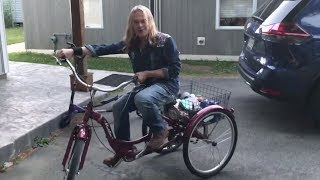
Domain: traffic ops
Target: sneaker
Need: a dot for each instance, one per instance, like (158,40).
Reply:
(116,159)
(112,161)
(158,139)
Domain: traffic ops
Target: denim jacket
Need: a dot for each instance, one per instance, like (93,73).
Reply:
(163,54)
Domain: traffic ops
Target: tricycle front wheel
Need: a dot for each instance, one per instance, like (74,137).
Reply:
(75,158)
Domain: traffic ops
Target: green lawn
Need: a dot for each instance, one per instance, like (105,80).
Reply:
(189,67)
(14,35)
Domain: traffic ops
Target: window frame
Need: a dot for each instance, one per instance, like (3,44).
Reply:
(101,18)
(217,24)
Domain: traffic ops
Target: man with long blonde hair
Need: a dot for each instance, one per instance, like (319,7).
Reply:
(155,61)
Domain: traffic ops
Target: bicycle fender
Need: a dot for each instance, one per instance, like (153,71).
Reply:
(203,112)
(79,132)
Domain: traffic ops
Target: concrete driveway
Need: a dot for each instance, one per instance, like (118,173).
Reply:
(276,141)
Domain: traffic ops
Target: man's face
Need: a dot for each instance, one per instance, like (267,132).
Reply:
(140,24)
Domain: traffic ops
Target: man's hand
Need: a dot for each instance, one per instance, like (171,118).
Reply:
(144,75)
(141,76)
(64,53)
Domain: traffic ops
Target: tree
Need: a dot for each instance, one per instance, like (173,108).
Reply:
(8,15)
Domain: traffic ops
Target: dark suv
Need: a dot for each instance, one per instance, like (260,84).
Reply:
(281,52)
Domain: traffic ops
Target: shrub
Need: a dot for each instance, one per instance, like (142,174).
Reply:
(8,15)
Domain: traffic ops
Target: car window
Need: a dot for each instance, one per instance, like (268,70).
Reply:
(310,18)
(267,8)
(270,6)
(281,12)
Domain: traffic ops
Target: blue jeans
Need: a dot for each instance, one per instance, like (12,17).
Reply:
(148,101)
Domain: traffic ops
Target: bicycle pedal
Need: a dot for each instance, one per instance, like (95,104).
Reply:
(131,157)
(161,147)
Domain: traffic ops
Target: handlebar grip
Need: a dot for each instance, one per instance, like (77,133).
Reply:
(135,81)
(71,45)
(59,61)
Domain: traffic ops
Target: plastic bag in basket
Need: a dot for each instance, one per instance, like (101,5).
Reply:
(190,104)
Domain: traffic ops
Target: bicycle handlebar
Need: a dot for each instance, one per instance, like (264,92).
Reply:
(94,87)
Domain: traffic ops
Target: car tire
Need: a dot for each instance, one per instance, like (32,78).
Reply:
(315,105)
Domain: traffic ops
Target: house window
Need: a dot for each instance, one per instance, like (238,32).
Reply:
(93,14)
(232,14)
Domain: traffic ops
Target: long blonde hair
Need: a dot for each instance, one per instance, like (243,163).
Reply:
(130,34)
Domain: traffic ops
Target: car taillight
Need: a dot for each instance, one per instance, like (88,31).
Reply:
(290,32)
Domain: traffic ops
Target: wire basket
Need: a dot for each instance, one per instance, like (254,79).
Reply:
(202,95)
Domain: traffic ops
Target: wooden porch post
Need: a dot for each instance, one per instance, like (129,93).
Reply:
(77,18)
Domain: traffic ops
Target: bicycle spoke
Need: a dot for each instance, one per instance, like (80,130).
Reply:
(215,158)
(224,140)
(208,141)
(228,131)
(196,148)
(213,129)
(218,154)
(212,153)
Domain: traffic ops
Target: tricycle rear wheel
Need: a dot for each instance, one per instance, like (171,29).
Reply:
(211,144)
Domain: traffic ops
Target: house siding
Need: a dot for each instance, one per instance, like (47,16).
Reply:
(197,19)
(185,20)
(115,19)
(191,19)
(42,19)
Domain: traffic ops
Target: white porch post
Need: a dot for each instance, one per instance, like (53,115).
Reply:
(4,65)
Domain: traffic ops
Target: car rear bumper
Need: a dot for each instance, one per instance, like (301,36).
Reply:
(262,82)
(274,83)
(249,76)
